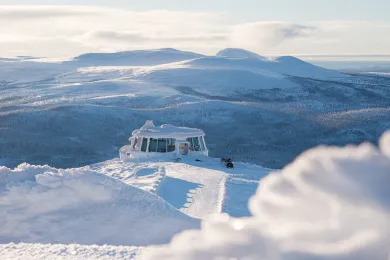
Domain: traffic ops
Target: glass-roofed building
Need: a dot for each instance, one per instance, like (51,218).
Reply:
(165,140)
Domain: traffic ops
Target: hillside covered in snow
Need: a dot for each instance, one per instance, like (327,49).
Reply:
(79,112)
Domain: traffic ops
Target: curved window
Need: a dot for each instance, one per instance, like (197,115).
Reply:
(162,145)
(171,144)
(191,147)
(153,145)
(144,144)
(196,144)
(201,143)
(134,142)
(204,143)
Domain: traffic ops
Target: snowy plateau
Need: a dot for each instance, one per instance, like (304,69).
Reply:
(64,194)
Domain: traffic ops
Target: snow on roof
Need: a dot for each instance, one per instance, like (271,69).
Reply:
(166,131)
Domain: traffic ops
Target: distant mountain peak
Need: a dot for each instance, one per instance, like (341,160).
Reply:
(239,53)
(289,59)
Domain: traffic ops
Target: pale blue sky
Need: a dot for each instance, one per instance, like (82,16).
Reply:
(252,10)
(355,29)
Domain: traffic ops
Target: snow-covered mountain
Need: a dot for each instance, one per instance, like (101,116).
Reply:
(87,108)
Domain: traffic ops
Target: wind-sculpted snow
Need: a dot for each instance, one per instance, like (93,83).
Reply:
(331,203)
(48,205)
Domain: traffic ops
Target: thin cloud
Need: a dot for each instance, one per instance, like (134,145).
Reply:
(140,37)
(66,31)
(267,35)
(41,12)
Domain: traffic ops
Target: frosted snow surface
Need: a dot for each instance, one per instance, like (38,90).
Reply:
(47,205)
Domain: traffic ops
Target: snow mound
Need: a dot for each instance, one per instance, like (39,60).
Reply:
(48,205)
(331,203)
(147,178)
(135,58)
(239,53)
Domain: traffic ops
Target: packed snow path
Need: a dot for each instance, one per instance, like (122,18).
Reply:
(197,188)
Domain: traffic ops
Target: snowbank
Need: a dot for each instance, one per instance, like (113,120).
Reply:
(48,205)
(331,203)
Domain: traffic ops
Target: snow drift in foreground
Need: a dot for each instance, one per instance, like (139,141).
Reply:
(40,204)
(331,203)
(24,251)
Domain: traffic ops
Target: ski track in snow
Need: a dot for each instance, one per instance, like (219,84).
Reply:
(197,189)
